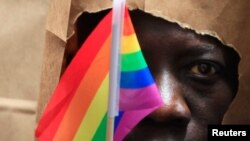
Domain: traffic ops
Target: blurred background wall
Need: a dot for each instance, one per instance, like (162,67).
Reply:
(22,24)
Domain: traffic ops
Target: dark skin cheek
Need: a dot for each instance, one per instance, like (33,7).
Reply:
(207,108)
(213,104)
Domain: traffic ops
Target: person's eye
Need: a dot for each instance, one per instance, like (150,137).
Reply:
(203,69)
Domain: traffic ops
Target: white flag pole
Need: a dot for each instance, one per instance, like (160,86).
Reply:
(114,73)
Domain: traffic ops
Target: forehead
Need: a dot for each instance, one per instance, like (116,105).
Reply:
(161,36)
(158,29)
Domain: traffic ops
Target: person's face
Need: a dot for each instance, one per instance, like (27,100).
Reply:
(194,75)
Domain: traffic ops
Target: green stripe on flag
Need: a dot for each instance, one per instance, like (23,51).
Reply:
(133,61)
(100,134)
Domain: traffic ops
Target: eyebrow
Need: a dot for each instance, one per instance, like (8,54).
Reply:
(198,50)
(203,48)
(207,51)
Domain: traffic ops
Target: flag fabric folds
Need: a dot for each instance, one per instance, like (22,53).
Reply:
(78,108)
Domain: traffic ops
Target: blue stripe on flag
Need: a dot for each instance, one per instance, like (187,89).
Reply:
(117,120)
(136,79)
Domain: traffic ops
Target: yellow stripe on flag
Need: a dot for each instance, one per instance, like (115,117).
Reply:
(130,44)
(95,113)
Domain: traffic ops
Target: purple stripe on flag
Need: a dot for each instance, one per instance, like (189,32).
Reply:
(129,120)
(138,99)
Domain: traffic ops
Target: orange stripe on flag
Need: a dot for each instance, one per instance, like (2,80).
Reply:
(84,95)
(127,23)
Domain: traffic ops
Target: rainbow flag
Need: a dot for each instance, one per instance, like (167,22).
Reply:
(78,108)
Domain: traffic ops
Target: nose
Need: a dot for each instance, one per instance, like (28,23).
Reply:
(175,109)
